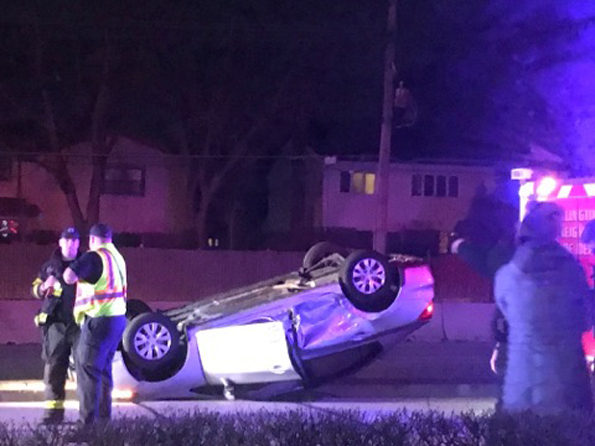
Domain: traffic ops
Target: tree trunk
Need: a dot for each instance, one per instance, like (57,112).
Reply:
(94,203)
(202,218)
(74,206)
(56,166)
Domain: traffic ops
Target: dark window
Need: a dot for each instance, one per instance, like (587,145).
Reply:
(441,186)
(453,186)
(428,185)
(416,189)
(124,180)
(5,168)
(345,181)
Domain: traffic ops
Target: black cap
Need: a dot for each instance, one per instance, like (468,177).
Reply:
(70,233)
(101,230)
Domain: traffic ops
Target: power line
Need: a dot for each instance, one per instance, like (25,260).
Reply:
(162,155)
(168,160)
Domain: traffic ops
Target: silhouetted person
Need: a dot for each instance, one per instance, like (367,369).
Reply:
(486,242)
(543,294)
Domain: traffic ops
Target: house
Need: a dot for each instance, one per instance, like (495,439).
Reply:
(421,195)
(335,198)
(140,191)
(309,198)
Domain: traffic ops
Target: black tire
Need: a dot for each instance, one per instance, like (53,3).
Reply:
(319,251)
(134,307)
(139,347)
(369,281)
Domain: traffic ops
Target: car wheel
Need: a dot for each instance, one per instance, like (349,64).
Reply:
(368,280)
(151,341)
(319,251)
(134,307)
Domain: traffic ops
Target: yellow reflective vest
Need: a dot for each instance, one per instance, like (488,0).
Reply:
(55,291)
(107,297)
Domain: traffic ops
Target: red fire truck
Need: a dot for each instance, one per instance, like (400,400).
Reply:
(577,198)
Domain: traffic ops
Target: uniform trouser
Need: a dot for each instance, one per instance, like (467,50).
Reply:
(97,345)
(59,340)
(501,362)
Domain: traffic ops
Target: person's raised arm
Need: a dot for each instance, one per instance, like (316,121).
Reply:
(69,276)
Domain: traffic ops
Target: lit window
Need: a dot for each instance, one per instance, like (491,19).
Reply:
(453,186)
(124,180)
(369,182)
(357,182)
(416,189)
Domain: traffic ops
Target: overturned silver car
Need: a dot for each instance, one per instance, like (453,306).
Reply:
(305,326)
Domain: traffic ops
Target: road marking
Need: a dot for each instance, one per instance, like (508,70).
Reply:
(68,404)
(31,385)
(37,386)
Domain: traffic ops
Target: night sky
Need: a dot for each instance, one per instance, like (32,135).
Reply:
(221,84)
(490,78)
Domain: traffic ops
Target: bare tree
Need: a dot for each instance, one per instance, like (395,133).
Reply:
(58,94)
(226,103)
(226,132)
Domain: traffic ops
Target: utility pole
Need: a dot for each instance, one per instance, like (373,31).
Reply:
(383,171)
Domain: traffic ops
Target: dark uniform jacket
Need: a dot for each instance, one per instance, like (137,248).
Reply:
(58,308)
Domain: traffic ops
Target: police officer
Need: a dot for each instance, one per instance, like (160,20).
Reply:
(100,308)
(59,331)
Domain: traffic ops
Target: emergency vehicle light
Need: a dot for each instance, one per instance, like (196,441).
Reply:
(527,189)
(546,186)
(565,191)
(521,173)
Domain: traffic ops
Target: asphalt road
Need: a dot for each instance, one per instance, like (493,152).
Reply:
(405,363)
(446,376)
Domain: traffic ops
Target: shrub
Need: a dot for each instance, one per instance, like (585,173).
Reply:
(318,427)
